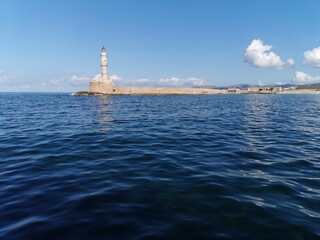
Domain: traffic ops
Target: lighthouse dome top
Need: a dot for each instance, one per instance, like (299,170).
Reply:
(103,49)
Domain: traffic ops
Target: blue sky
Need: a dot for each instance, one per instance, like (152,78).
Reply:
(55,45)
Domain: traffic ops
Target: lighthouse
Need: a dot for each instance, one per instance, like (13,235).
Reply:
(102,83)
(104,78)
(104,65)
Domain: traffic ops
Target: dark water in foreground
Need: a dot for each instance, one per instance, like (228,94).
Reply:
(159,167)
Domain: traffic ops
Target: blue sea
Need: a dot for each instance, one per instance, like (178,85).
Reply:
(159,167)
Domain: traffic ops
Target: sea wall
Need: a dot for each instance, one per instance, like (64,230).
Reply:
(301,91)
(141,91)
(107,88)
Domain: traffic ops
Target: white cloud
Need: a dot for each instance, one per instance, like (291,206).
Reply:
(6,79)
(290,62)
(62,82)
(179,82)
(145,82)
(43,83)
(304,78)
(25,87)
(79,80)
(312,57)
(260,83)
(164,82)
(115,77)
(259,55)
(74,83)
(55,82)
(278,83)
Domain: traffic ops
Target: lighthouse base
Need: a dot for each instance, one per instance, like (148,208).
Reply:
(102,87)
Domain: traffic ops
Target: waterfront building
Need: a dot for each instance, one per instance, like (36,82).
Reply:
(234,90)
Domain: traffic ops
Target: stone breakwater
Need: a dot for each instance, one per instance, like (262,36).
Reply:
(152,91)
(104,88)
(100,88)
(301,91)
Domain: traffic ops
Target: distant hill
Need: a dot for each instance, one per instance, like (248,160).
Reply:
(309,86)
(246,86)
(288,85)
(206,86)
(241,86)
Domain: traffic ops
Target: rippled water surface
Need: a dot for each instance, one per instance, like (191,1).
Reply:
(159,167)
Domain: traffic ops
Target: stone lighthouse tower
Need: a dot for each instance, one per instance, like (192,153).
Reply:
(103,84)
(104,65)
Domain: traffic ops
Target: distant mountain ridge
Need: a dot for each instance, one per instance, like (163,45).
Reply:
(309,86)
(246,86)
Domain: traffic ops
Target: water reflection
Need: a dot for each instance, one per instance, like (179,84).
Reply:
(258,123)
(258,110)
(104,112)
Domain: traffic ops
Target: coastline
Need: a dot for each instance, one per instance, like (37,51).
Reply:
(181,91)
